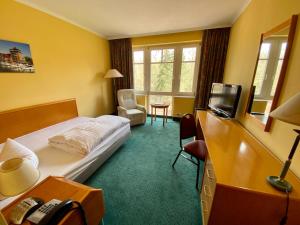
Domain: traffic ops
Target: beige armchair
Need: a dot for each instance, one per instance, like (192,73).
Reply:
(129,108)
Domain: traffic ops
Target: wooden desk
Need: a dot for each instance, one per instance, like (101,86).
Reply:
(165,112)
(61,188)
(235,190)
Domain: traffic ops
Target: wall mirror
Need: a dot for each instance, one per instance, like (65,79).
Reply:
(271,65)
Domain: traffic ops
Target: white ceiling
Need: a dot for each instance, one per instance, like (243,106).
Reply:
(128,18)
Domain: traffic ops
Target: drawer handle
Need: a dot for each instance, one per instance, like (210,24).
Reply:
(206,191)
(204,206)
(208,174)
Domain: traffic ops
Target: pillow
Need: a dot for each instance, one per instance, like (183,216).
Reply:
(13,149)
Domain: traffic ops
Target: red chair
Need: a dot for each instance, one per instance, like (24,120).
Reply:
(196,149)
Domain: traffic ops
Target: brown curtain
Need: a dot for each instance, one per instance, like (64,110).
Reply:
(213,55)
(121,59)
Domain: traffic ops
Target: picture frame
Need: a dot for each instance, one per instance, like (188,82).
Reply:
(15,57)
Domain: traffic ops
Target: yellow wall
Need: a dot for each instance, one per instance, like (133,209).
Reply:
(260,16)
(69,61)
(183,105)
(141,100)
(259,106)
(192,36)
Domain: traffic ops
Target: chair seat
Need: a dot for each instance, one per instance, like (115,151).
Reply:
(196,148)
(134,112)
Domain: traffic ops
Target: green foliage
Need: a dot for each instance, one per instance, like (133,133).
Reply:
(28,60)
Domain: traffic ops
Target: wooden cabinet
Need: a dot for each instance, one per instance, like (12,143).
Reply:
(235,190)
(60,188)
(208,190)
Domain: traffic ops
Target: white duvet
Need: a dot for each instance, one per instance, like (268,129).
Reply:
(83,138)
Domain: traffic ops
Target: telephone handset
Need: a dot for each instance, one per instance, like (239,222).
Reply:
(51,212)
(24,209)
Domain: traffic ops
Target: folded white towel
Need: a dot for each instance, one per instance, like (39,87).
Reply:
(85,137)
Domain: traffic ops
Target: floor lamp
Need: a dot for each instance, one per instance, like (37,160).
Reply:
(288,112)
(113,74)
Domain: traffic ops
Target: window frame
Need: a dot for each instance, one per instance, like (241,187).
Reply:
(177,63)
(272,62)
(133,50)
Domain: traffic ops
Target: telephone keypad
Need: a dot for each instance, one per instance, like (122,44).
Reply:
(43,211)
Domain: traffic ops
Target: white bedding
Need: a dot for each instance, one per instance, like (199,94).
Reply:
(55,162)
(83,138)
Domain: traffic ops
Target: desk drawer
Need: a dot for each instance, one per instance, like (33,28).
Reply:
(208,191)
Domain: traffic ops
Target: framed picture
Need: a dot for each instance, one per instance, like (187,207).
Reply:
(15,57)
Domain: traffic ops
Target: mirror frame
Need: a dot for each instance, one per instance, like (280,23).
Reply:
(292,23)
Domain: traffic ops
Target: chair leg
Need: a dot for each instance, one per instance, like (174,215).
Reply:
(176,158)
(198,168)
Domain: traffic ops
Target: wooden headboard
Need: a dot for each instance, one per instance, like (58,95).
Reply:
(17,122)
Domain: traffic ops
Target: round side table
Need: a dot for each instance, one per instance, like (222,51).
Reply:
(165,112)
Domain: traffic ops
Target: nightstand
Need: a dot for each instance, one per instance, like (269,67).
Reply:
(91,199)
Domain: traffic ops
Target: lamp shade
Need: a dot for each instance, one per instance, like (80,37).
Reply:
(113,73)
(16,176)
(289,111)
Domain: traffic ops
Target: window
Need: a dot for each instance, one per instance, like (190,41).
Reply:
(278,68)
(161,72)
(161,68)
(138,70)
(261,67)
(271,56)
(187,74)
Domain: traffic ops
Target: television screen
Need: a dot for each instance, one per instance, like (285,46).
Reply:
(224,99)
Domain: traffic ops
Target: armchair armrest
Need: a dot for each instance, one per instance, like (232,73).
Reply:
(122,111)
(141,107)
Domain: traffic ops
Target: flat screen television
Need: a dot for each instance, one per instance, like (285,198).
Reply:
(224,99)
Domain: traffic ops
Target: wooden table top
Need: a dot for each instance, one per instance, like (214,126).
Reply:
(239,159)
(160,105)
(61,188)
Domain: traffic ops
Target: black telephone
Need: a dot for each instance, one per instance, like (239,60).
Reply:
(51,212)
(38,213)
(24,209)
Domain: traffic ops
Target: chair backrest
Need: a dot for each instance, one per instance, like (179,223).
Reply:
(127,98)
(187,127)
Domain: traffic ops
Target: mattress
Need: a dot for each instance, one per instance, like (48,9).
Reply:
(56,162)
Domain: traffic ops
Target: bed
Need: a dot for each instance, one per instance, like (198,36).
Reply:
(32,126)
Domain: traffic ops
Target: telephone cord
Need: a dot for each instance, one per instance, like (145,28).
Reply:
(81,210)
(285,217)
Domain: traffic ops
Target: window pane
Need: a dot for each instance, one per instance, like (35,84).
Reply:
(260,75)
(158,99)
(161,77)
(282,50)
(187,77)
(138,71)
(264,51)
(156,55)
(138,56)
(277,73)
(168,55)
(189,54)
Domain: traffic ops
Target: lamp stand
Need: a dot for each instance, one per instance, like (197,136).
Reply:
(278,181)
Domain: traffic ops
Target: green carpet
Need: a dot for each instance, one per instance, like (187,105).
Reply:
(140,186)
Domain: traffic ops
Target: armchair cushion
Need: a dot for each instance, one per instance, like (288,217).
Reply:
(134,111)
